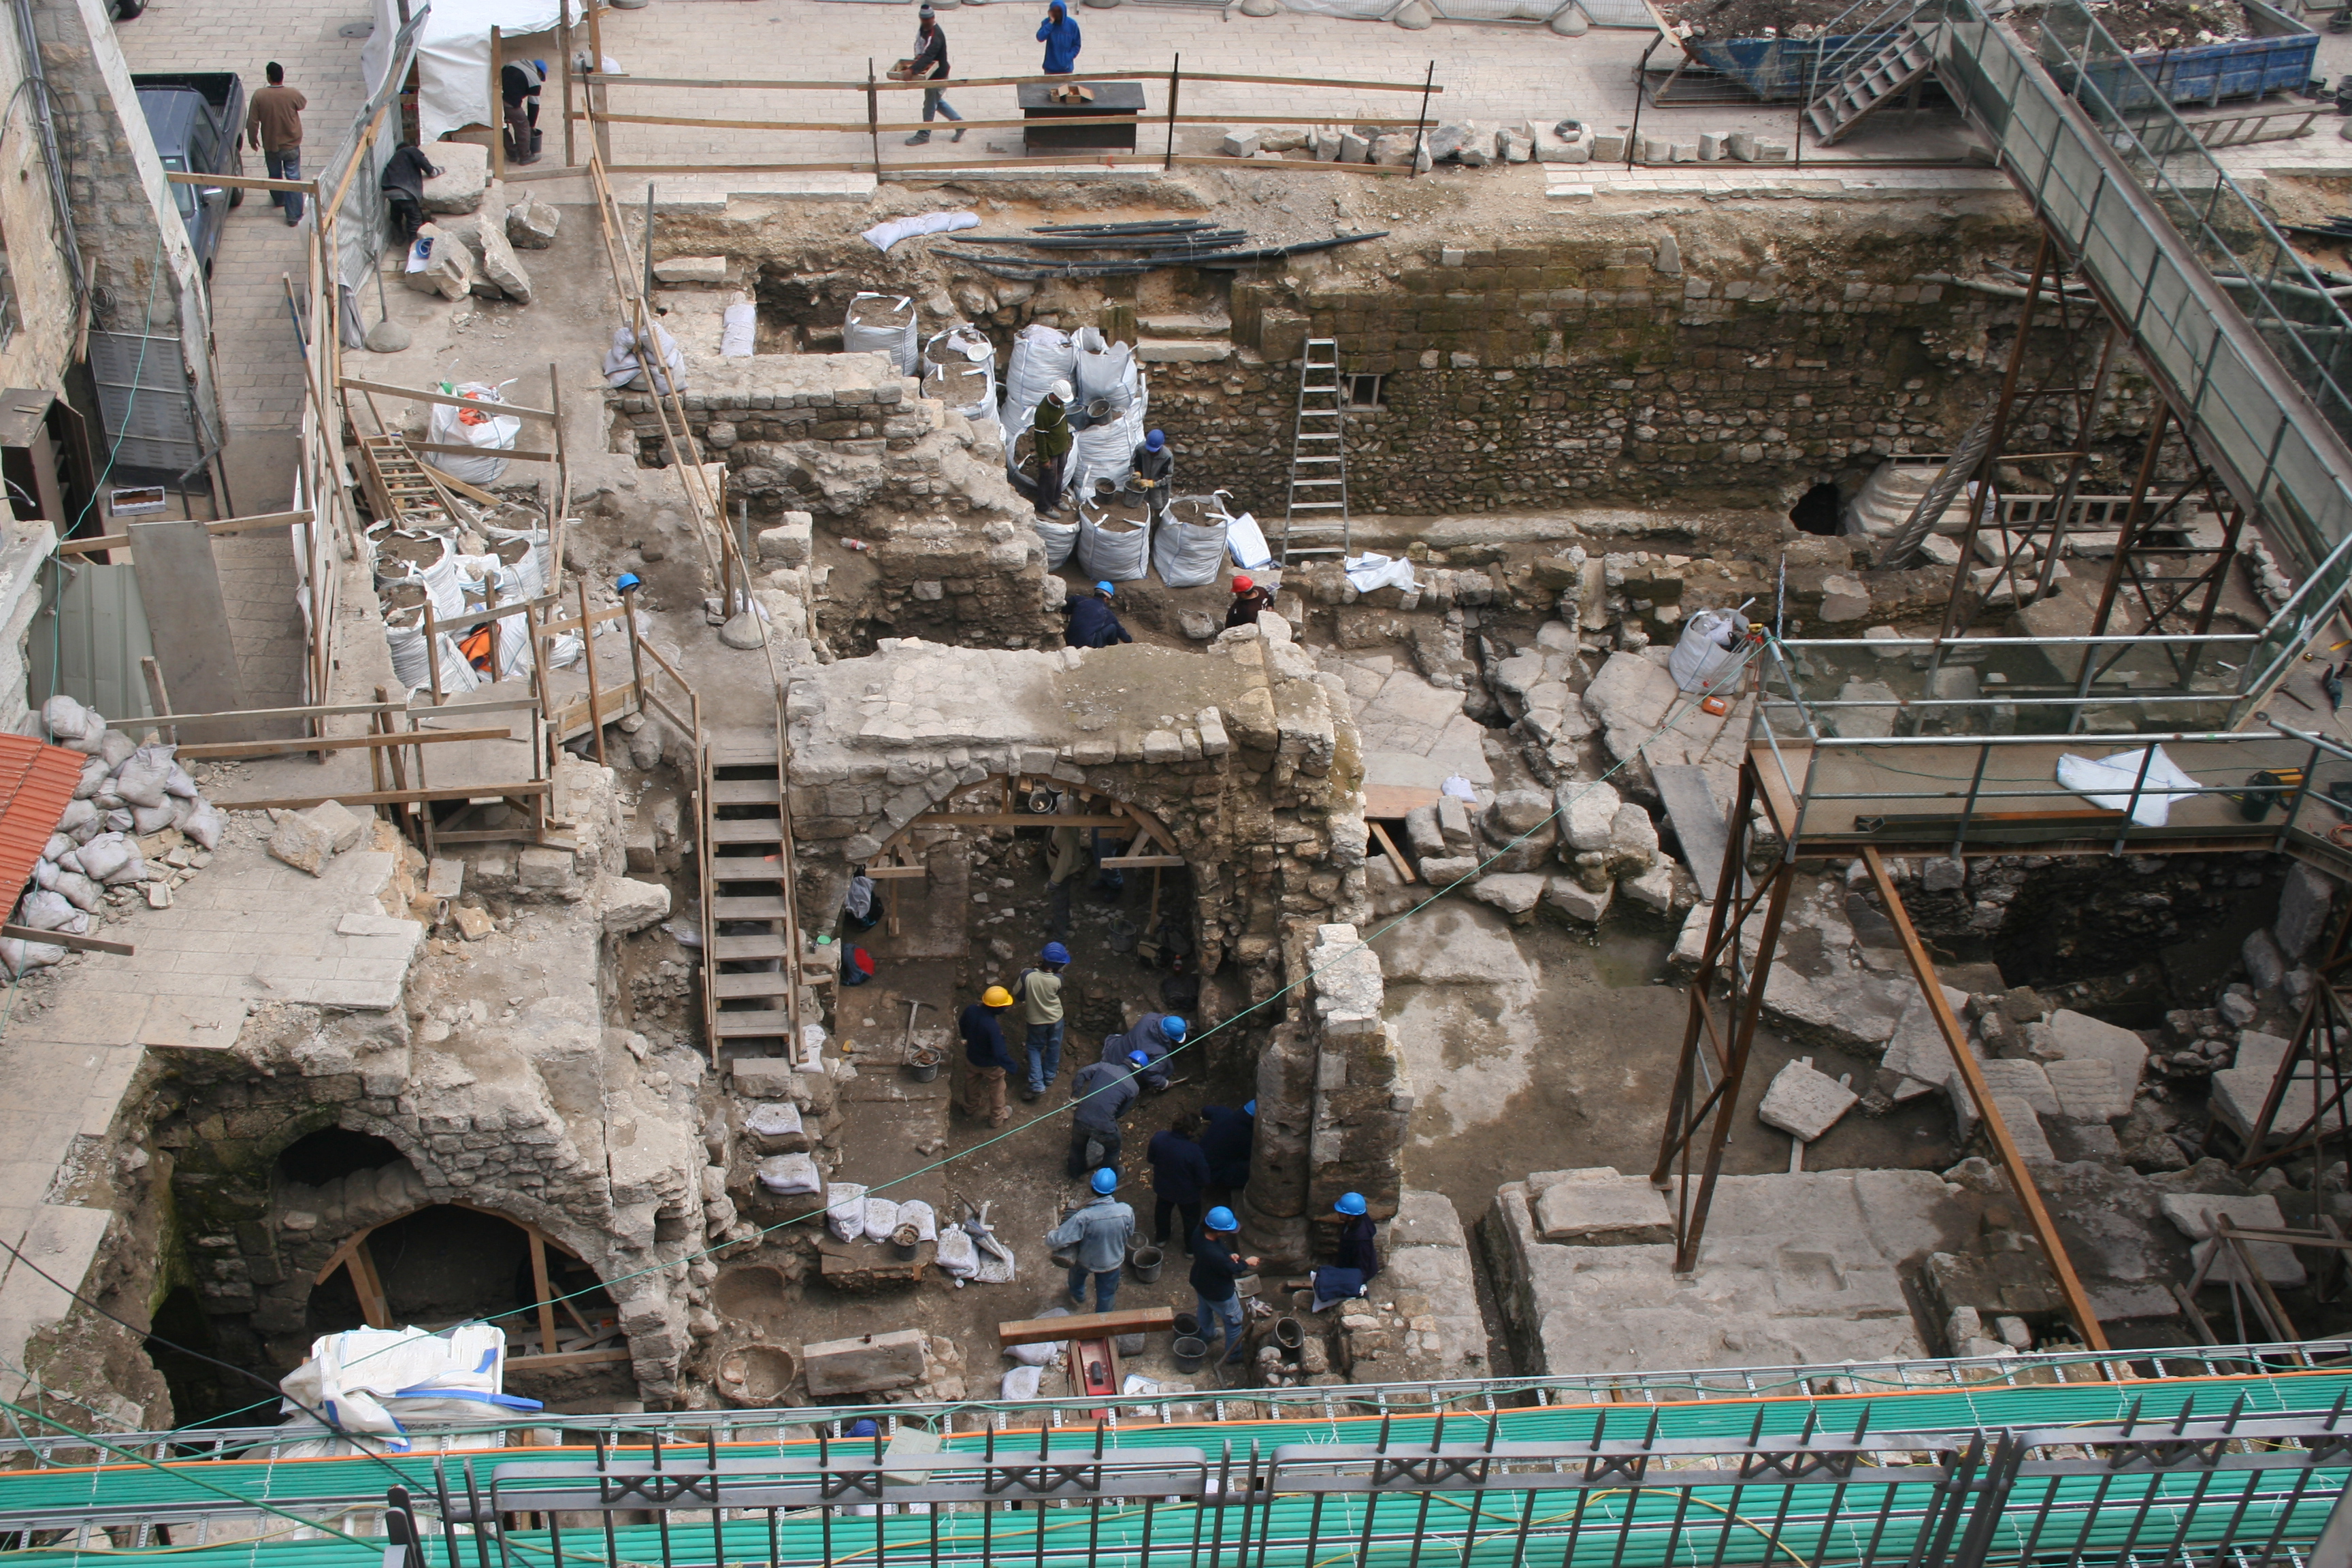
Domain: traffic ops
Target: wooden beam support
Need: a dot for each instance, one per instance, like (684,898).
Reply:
(242,182)
(95,542)
(568,1358)
(419,395)
(886,873)
(1085,1326)
(456,450)
(545,1292)
(1127,862)
(68,939)
(342,743)
(1388,848)
(1016,818)
(526,790)
(1956,1040)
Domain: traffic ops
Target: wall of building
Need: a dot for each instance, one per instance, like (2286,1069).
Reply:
(42,340)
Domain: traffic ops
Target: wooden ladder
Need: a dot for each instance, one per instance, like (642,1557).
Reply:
(747,935)
(399,483)
(1892,67)
(1319,458)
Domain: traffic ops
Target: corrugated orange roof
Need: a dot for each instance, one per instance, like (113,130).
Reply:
(37,785)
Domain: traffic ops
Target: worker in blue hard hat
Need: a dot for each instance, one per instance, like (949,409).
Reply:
(1359,1255)
(1099,1233)
(1227,1138)
(1155,474)
(1217,1263)
(1154,1036)
(1092,622)
(1100,1093)
(1038,990)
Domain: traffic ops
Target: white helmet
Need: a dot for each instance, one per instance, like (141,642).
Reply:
(1062,390)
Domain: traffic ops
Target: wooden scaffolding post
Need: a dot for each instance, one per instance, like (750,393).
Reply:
(497,112)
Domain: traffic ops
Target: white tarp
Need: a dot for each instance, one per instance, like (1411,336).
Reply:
(365,1380)
(2106,783)
(453,58)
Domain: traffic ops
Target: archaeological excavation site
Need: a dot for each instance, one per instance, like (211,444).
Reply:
(1455,778)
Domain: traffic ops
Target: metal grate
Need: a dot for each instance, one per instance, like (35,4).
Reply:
(146,402)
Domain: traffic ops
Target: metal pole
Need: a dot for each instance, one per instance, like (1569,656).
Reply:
(1420,131)
(649,347)
(2124,536)
(873,116)
(1175,83)
(498,113)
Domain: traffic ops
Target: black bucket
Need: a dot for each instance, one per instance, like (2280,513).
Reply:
(1190,1352)
(1186,1324)
(1147,1262)
(1288,1336)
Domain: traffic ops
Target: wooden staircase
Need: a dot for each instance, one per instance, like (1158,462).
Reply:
(1885,74)
(749,931)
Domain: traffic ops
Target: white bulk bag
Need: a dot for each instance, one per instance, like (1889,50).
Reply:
(1708,649)
(1059,540)
(1041,356)
(1188,544)
(491,433)
(787,1175)
(1113,548)
(881,324)
(1102,370)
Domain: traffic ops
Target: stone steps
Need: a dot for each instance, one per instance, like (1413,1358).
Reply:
(1182,350)
(1181,326)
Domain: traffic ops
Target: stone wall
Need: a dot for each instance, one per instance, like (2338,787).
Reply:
(1702,356)
(845,439)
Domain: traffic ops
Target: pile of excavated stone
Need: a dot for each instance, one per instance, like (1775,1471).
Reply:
(1573,849)
(470,241)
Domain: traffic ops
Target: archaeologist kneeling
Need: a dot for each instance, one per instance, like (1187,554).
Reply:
(1248,600)
(1145,1047)
(1093,624)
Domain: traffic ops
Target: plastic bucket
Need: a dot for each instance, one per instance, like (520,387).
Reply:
(1288,1336)
(1190,1352)
(1145,1263)
(1186,1323)
(923,1066)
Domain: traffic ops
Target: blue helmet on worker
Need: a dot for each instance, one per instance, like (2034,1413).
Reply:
(1221,1219)
(1351,1204)
(1055,953)
(1171,1030)
(1106,1181)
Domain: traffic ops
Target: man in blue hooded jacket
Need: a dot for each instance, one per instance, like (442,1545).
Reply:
(1059,33)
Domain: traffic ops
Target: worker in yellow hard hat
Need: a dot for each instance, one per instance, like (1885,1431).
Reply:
(986,1057)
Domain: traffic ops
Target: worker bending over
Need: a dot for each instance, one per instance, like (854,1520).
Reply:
(1100,1093)
(1153,1036)
(1248,600)
(1093,623)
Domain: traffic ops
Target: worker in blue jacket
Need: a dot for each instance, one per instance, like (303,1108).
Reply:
(1059,33)
(1093,623)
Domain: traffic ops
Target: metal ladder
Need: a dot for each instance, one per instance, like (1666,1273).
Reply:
(1898,63)
(1319,458)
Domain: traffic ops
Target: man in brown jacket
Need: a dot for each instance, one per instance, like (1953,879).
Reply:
(274,127)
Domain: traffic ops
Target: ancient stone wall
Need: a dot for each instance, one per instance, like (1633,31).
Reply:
(845,439)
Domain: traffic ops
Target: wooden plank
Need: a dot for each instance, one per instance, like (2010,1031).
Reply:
(1394,803)
(66,938)
(539,1285)
(457,450)
(419,395)
(1388,848)
(256,524)
(1955,1040)
(1124,862)
(1700,822)
(567,1358)
(242,182)
(888,873)
(1018,819)
(1085,1326)
(449,482)
(341,743)
(524,791)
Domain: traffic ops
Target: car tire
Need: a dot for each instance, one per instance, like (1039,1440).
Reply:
(128,10)
(237,167)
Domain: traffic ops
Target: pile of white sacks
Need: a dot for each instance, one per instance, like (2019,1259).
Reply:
(462,567)
(128,792)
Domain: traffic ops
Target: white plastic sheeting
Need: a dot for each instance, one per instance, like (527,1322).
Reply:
(739,330)
(365,1380)
(1113,548)
(1188,544)
(453,58)
(1708,650)
(890,231)
(490,433)
(1245,541)
(404,631)
(881,324)
(1366,573)
(2106,783)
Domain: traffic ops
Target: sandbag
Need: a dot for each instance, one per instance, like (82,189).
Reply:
(21,958)
(105,856)
(115,748)
(204,825)
(80,821)
(959,370)
(75,888)
(959,1256)
(845,1209)
(490,434)
(1021,1383)
(883,324)
(44,911)
(624,369)
(922,1217)
(64,718)
(426,559)
(738,329)
(1112,549)
(94,775)
(881,1218)
(1188,544)
(147,819)
(178,783)
(789,1175)
(59,844)
(139,782)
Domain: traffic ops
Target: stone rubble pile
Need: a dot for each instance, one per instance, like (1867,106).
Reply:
(467,247)
(137,827)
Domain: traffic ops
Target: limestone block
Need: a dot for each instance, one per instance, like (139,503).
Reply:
(631,905)
(1804,1103)
(776,1128)
(1214,740)
(1608,149)
(2074,1036)
(1422,833)
(1771,152)
(1654,888)
(789,542)
(2088,1090)
(1589,812)
(1844,597)
(1513,146)
(2265,965)
(764,1077)
(869,1363)
(345,827)
(1161,746)
(1632,840)
(2011,1078)
(2192,1215)
(1577,901)
(500,269)
(543,869)
(1450,139)
(1710,147)
(1740,145)
(1599,1209)
(465,176)
(1394,149)
(2303,910)
(473,924)
(1454,821)
(443,879)
(1239,144)
(450,270)
(1442,871)
(691,269)
(1354,148)
(1513,893)
(302,843)
(531,224)
(1514,812)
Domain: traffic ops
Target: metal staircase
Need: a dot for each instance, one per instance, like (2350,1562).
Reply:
(1319,460)
(1907,55)
(747,913)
